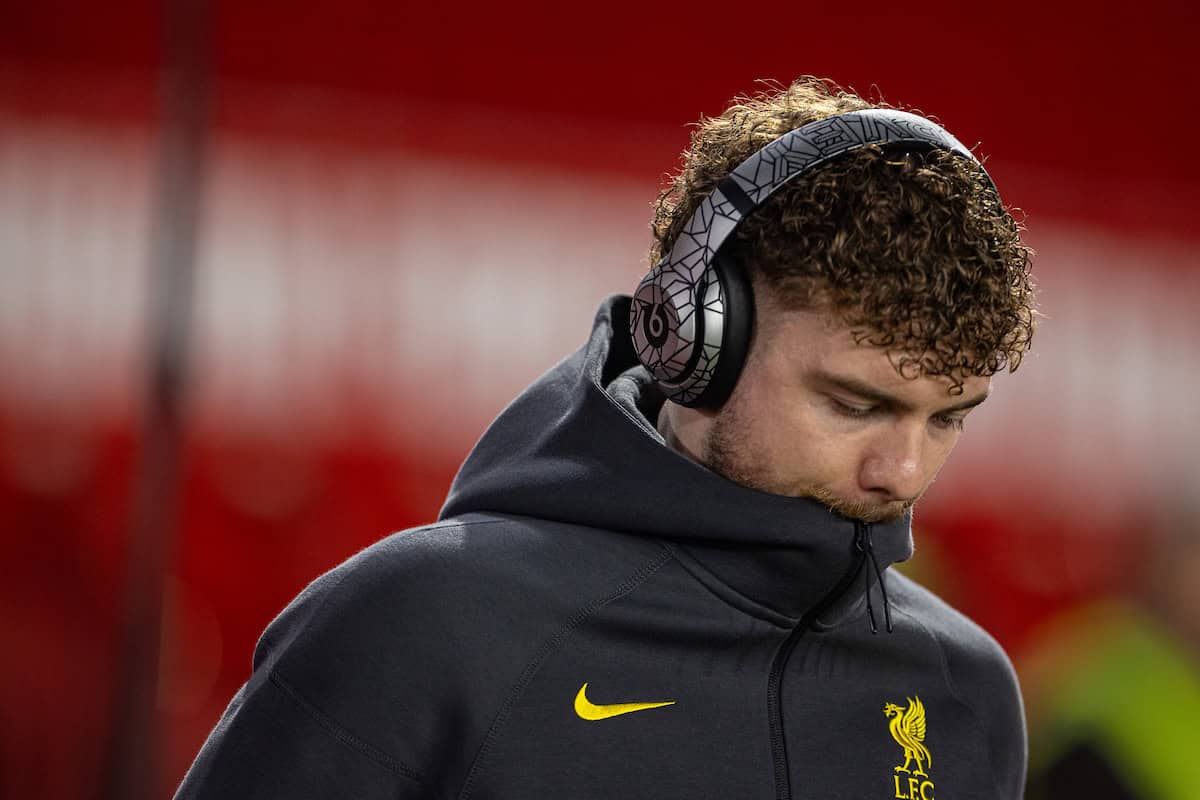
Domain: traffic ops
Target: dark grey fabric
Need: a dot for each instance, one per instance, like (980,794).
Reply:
(575,547)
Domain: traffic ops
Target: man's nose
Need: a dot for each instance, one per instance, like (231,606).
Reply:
(893,467)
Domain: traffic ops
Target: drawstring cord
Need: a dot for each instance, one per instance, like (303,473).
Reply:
(865,545)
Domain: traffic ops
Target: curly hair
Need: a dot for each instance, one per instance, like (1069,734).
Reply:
(914,251)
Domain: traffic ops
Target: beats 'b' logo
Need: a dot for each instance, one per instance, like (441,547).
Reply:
(655,330)
(656,324)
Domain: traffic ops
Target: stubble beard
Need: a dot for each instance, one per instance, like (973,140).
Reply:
(723,451)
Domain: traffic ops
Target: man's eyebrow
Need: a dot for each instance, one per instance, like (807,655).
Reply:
(966,404)
(868,392)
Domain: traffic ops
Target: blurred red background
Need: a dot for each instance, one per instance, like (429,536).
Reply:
(408,211)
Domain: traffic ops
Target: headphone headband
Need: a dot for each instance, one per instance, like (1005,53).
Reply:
(679,318)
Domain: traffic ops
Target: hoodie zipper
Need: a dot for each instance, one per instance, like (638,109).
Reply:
(862,543)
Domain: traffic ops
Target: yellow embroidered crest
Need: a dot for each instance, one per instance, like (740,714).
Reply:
(908,729)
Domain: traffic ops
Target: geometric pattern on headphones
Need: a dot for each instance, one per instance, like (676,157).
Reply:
(815,143)
(667,325)
(679,310)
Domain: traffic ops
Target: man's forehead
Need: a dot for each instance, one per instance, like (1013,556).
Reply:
(823,342)
(817,333)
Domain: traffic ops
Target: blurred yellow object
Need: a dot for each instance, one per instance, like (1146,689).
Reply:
(1117,685)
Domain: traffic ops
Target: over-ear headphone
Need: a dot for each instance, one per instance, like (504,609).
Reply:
(692,314)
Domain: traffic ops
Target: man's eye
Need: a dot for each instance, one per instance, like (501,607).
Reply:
(847,410)
(948,422)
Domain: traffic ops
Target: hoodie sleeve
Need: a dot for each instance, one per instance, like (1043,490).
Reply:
(271,744)
(984,678)
(384,677)
(275,741)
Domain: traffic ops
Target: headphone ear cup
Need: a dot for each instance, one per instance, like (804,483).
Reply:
(736,330)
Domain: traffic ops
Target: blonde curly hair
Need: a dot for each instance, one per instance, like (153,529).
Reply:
(915,251)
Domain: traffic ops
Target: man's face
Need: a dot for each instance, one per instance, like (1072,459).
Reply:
(816,415)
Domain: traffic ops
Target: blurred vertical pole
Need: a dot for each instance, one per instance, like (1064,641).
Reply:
(133,765)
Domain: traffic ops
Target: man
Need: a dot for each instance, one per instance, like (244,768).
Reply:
(634,596)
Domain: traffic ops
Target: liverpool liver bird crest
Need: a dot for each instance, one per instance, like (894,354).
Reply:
(908,729)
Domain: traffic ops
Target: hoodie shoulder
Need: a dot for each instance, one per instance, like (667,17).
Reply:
(414,645)
(978,672)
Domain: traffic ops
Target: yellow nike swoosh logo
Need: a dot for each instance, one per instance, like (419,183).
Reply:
(586,709)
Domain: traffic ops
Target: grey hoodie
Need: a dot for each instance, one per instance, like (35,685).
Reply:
(596,616)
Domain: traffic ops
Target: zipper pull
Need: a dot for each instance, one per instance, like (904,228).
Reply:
(861,544)
(862,541)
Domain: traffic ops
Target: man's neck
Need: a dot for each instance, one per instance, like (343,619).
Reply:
(666,428)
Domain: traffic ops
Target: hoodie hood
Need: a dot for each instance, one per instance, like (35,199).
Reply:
(579,447)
